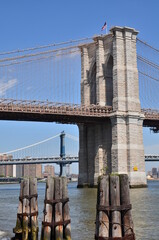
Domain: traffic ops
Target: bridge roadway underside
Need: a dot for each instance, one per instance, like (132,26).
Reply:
(152,123)
(51,117)
(65,118)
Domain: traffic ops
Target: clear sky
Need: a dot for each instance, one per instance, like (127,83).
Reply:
(28,23)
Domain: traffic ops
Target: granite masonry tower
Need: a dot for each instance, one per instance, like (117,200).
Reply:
(110,78)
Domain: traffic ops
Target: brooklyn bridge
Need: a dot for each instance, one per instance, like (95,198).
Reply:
(108,85)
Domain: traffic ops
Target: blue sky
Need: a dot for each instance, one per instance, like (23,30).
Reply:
(28,23)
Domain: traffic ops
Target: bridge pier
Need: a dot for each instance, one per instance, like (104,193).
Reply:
(127,152)
(94,152)
(110,77)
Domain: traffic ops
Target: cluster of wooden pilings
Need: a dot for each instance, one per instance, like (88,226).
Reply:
(27,221)
(56,220)
(113,218)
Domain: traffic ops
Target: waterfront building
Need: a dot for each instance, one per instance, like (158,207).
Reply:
(19,171)
(49,170)
(29,170)
(32,170)
(7,170)
(2,171)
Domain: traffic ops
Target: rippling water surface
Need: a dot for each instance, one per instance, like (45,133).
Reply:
(82,205)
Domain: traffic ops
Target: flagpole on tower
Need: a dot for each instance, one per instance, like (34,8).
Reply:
(104,27)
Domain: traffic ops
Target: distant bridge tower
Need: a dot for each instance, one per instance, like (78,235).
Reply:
(110,77)
(62,154)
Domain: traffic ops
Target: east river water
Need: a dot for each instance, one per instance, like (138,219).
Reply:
(82,206)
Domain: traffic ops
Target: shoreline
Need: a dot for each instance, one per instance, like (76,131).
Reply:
(152,179)
(10,180)
(17,181)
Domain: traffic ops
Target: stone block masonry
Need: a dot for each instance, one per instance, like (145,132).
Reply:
(110,78)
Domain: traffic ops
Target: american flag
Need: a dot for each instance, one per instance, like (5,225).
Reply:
(104,26)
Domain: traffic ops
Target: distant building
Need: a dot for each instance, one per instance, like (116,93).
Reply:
(49,170)
(32,170)
(154,172)
(19,171)
(7,170)
(2,171)
(68,170)
(28,170)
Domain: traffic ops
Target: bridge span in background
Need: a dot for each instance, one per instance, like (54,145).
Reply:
(58,160)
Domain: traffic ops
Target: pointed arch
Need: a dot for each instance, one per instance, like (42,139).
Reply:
(93,84)
(108,75)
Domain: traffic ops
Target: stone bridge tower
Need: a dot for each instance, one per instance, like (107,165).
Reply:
(110,77)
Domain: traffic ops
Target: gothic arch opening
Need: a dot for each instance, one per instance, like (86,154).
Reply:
(109,81)
(93,85)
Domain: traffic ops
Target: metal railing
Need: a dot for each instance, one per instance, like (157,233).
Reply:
(45,107)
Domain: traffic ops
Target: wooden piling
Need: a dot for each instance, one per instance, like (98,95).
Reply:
(33,208)
(115,201)
(58,209)
(66,214)
(44,211)
(102,217)
(48,207)
(27,222)
(18,228)
(125,201)
(26,210)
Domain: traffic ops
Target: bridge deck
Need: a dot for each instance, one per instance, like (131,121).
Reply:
(44,111)
(49,112)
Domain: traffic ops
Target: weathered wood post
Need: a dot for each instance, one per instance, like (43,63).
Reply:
(18,228)
(125,201)
(58,209)
(26,210)
(33,208)
(115,201)
(44,211)
(48,207)
(66,210)
(102,218)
